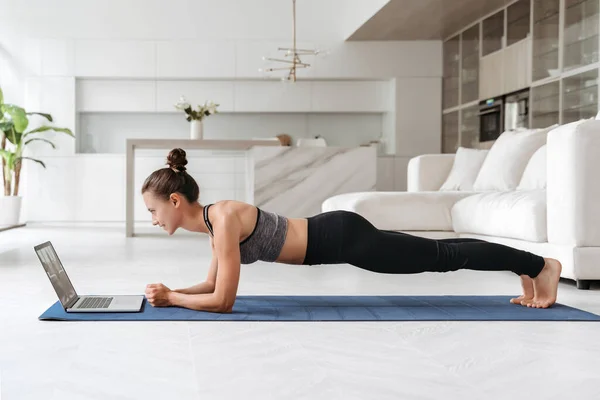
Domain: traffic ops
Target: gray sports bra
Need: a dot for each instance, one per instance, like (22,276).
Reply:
(266,240)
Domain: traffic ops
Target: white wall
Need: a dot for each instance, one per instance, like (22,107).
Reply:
(47,52)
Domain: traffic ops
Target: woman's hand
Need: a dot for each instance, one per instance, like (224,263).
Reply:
(158,295)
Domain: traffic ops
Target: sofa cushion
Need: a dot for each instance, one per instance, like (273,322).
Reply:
(504,165)
(515,214)
(534,176)
(467,164)
(400,211)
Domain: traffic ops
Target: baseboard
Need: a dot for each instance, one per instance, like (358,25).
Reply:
(8,227)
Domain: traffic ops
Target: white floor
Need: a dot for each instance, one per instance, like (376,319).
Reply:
(270,360)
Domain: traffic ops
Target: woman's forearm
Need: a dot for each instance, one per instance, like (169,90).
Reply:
(199,302)
(204,287)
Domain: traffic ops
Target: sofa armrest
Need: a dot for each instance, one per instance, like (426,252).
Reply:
(573,184)
(428,172)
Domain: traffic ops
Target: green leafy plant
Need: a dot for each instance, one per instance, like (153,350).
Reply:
(14,136)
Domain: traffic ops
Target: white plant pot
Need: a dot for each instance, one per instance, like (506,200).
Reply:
(10,210)
(196,129)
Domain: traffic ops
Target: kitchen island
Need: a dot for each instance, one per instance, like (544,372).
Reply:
(292,181)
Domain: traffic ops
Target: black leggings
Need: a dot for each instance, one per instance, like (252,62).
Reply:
(339,237)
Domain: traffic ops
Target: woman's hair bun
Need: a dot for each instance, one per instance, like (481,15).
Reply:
(177,160)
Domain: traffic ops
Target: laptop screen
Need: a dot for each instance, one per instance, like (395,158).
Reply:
(55,271)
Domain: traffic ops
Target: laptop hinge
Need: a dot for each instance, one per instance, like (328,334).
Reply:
(73,302)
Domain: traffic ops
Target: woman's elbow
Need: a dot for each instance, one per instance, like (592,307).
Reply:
(226,306)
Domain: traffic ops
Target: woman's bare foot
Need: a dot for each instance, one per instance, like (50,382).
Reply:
(527,285)
(545,285)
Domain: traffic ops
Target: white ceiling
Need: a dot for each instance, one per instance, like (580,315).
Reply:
(319,21)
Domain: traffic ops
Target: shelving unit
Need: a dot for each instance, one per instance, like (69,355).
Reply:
(564,58)
(451,79)
(580,96)
(546,31)
(518,16)
(580,33)
(450,132)
(470,64)
(545,105)
(492,33)
(469,127)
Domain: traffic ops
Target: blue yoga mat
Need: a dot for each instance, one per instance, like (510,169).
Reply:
(346,308)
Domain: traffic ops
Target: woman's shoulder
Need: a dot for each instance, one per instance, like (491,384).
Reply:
(230,205)
(231,210)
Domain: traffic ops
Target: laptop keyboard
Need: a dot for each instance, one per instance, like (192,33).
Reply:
(96,302)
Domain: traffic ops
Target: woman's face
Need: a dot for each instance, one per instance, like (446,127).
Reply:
(166,214)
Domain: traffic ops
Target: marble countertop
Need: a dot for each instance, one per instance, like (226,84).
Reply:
(199,143)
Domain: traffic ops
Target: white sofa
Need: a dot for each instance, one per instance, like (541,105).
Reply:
(560,220)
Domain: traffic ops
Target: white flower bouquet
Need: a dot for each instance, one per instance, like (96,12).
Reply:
(203,111)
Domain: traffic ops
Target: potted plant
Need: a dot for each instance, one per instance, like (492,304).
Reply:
(14,137)
(196,117)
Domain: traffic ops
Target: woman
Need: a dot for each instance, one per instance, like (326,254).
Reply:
(242,234)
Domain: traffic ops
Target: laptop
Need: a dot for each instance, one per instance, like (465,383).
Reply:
(69,298)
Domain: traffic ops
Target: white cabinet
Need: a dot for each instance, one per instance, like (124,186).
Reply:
(193,59)
(492,33)
(506,70)
(450,132)
(115,58)
(545,105)
(100,188)
(196,92)
(546,27)
(580,96)
(349,96)
(451,73)
(122,95)
(491,74)
(469,77)
(51,193)
(580,35)
(272,96)
(116,96)
(469,127)
(92,187)
(518,20)
(313,96)
(517,67)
